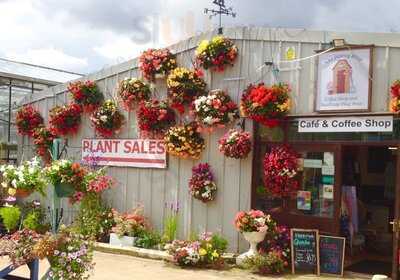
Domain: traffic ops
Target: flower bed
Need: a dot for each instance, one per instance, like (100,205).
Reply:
(155,118)
(27,119)
(86,94)
(184,86)
(65,119)
(156,61)
(184,141)
(235,144)
(132,91)
(266,105)
(201,184)
(216,110)
(216,54)
(107,120)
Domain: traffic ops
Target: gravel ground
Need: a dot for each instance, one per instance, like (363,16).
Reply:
(121,267)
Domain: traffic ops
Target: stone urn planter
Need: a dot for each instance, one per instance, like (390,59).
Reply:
(123,241)
(253,238)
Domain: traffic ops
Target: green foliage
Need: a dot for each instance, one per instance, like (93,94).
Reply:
(170,227)
(148,239)
(219,243)
(11,217)
(34,217)
(94,219)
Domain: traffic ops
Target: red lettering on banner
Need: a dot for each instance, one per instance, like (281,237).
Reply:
(142,148)
(116,142)
(161,147)
(99,147)
(107,146)
(152,147)
(127,147)
(86,145)
(135,148)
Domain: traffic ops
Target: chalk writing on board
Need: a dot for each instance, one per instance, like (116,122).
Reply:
(331,253)
(304,249)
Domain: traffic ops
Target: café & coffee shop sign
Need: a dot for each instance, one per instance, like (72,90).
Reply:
(144,153)
(346,124)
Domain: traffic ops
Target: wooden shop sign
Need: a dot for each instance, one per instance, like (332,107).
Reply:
(143,153)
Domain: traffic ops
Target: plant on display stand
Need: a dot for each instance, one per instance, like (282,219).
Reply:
(280,169)
(86,94)
(184,86)
(184,141)
(68,177)
(24,179)
(205,251)
(201,184)
(43,140)
(10,216)
(235,144)
(216,54)
(65,119)
(155,118)
(107,119)
(132,91)
(254,225)
(24,241)
(266,105)
(216,110)
(27,119)
(153,62)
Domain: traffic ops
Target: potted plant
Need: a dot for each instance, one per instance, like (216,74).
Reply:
(128,226)
(67,176)
(25,179)
(11,216)
(254,225)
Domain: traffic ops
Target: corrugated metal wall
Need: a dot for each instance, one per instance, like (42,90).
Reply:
(153,188)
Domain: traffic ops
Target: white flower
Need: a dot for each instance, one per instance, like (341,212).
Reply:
(103,118)
(14,183)
(208,120)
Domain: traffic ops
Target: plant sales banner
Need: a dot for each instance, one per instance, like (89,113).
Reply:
(144,153)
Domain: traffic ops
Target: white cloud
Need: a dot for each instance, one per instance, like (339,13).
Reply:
(49,57)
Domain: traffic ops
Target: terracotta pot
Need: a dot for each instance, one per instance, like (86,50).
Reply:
(21,193)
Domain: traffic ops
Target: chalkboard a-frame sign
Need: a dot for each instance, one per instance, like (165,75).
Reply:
(331,254)
(305,250)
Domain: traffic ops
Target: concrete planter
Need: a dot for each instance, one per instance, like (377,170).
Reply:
(115,240)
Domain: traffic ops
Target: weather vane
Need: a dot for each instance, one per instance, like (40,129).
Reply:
(223,10)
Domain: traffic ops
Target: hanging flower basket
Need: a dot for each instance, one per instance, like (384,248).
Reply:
(155,62)
(184,86)
(184,141)
(43,140)
(155,118)
(132,91)
(395,97)
(216,54)
(235,144)
(201,184)
(266,105)
(280,169)
(27,119)
(86,94)
(216,110)
(107,120)
(65,119)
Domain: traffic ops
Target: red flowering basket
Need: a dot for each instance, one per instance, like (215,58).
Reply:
(43,140)
(280,169)
(395,93)
(155,118)
(132,91)
(266,105)
(27,119)
(235,144)
(201,184)
(86,94)
(184,86)
(216,110)
(65,119)
(156,62)
(107,120)
(216,54)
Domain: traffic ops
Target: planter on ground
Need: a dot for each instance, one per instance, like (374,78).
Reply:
(115,240)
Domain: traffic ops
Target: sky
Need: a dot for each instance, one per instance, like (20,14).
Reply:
(87,35)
